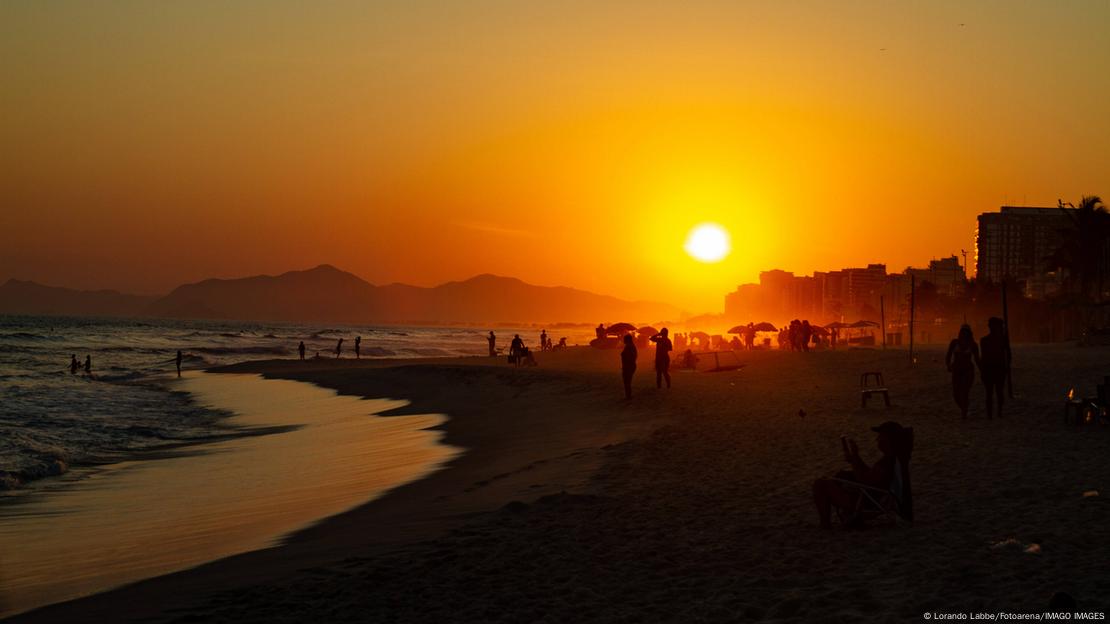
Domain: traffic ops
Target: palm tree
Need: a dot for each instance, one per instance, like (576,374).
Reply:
(1083,246)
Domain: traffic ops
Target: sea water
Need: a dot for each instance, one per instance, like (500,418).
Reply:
(52,421)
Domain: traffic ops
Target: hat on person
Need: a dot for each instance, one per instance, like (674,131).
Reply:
(888,427)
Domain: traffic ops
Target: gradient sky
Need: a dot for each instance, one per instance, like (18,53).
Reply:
(147,144)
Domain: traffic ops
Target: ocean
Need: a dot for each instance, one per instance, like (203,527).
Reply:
(52,421)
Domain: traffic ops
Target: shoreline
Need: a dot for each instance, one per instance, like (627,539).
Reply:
(689,504)
(465,486)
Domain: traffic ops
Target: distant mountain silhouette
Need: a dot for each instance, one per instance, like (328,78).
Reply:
(20,297)
(327,294)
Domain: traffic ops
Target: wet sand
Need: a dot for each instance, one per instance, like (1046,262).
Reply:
(311,454)
(571,504)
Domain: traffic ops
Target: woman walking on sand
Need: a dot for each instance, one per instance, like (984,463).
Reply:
(961,360)
(662,358)
(628,364)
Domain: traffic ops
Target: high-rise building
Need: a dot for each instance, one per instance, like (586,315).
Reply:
(946,274)
(1016,243)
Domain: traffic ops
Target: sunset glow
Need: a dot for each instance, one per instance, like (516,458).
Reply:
(708,242)
(433,143)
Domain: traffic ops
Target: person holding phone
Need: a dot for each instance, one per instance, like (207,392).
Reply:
(828,493)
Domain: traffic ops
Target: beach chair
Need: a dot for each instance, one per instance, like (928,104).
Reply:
(1078,408)
(894,503)
(866,389)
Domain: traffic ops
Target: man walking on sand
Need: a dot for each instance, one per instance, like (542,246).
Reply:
(338,348)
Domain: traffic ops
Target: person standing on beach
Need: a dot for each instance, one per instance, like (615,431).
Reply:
(73,365)
(994,362)
(628,364)
(961,360)
(88,365)
(492,340)
(179,358)
(543,340)
(300,349)
(663,349)
(338,348)
(516,349)
(358,347)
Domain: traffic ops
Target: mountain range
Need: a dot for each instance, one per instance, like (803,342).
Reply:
(325,293)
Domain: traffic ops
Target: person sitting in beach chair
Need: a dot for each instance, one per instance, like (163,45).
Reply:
(526,358)
(867,492)
(689,360)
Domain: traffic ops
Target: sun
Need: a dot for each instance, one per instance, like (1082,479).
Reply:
(708,242)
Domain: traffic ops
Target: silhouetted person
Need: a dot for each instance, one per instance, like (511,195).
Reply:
(828,493)
(749,336)
(600,330)
(994,362)
(628,364)
(338,348)
(806,332)
(663,349)
(689,360)
(961,360)
(358,347)
(88,365)
(73,365)
(300,349)
(543,340)
(179,357)
(492,339)
(516,349)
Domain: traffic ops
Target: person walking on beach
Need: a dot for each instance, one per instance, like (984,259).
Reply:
(961,360)
(807,333)
(492,340)
(663,349)
(88,365)
(994,362)
(628,364)
(73,365)
(516,350)
(358,347)
(179,358)
(300,349)
(338,348)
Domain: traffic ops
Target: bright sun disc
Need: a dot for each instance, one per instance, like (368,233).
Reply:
(708,242)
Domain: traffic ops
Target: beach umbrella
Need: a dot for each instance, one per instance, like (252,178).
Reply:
(647,329)
(837,325)
(620,328)
(699,336)
(818,330)
(739,329)
(859,324)
(764,326)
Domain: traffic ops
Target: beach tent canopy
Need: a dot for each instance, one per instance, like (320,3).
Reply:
(859,324)
(647,329)
(620,328)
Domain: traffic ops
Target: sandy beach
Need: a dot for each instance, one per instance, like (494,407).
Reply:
(569,503)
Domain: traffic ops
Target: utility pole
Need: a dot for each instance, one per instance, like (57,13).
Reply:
(882,318)
(912,295)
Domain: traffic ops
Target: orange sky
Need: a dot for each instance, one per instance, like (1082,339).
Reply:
(148,144)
